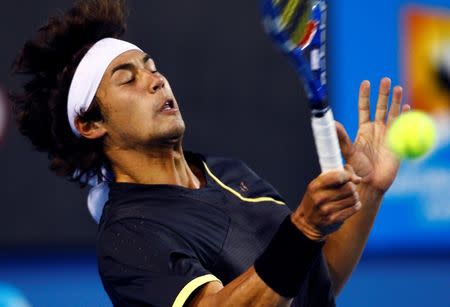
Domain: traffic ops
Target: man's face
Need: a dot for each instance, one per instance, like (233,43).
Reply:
(138,104)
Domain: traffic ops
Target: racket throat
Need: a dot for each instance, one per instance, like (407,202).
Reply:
(321,110)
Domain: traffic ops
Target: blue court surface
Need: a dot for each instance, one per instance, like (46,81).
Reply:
(60,279)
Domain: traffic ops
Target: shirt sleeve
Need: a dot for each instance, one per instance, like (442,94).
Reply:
(146,264)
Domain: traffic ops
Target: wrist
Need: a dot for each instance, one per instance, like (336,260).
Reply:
(285,264)
(369,193)
(308,231)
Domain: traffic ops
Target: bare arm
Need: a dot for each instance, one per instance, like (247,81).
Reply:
(246,290)
(372,160)
(343,248)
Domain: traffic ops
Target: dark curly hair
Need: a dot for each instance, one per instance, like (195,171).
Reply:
(50,60)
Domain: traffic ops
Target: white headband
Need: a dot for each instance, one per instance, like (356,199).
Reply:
(89,73)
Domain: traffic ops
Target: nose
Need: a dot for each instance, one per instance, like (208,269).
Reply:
(157,82)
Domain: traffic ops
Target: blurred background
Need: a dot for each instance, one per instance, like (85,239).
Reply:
(241,98)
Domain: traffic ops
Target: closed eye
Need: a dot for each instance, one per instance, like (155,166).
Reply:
(129,81)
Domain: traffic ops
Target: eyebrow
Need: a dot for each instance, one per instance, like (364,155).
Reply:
(129,66)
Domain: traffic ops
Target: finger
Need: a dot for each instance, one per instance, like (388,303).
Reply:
(345,143)
(395,108)
(332,207)
(383,99)
(333,179)
(406,108)
(334,194)
(364,103)
(342,215)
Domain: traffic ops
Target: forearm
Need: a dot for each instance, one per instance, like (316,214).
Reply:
(246,290)
(343,248)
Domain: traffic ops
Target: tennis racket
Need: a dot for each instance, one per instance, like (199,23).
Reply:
(298,27)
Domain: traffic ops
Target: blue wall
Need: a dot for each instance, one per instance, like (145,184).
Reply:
(399,281)
(53,279)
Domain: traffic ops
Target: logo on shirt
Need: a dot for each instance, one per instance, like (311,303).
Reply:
(243,187)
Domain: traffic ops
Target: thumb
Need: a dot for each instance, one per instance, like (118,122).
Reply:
(344,140)
(354,177)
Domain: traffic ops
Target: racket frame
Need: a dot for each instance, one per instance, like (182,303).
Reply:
(313,74)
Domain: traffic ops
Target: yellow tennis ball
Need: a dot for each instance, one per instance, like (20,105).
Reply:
(412,135)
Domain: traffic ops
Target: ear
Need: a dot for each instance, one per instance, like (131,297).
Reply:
(90,130)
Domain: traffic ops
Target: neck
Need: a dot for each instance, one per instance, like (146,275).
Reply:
(163,165)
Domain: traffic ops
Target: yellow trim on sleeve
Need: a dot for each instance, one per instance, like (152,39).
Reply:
(191,287)
(243,198)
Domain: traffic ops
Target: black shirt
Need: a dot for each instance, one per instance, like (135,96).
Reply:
(157,244)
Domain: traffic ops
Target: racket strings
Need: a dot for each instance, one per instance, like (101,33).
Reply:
(294,18)
(288,11)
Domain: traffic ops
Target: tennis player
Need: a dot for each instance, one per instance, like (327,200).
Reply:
(181,228)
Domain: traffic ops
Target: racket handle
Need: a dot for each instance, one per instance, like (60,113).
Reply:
(327,144)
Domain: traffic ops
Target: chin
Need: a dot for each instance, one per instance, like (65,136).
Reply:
(174,134)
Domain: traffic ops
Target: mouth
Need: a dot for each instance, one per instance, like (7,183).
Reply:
(168,105)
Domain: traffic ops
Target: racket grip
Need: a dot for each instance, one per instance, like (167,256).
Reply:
(327,144)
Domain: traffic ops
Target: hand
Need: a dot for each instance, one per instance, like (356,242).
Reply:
(370,156)
(329,200)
